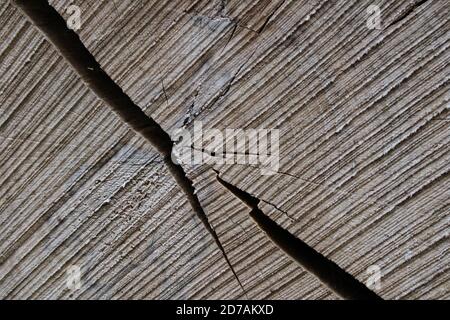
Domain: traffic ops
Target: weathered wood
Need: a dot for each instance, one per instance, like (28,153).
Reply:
(364,149)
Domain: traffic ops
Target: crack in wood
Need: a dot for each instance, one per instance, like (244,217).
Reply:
(69,45)
(261,29)
(408,12)
(328,272)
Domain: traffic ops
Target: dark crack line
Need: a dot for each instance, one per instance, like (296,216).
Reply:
(328,272)
(165,93)
(279,209)
(191,109)
(215,154)
(69,45)
(261,29)
(320,185)
(408,12)
(230,82)
(222,12)
(186,185)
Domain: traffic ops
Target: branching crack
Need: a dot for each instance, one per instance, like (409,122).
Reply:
(235,24)
(222,8)
(320,185)
(328,272)
(69,45)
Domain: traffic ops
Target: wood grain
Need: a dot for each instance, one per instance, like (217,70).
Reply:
(364,163)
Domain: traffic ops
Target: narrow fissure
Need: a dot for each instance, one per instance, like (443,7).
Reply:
(408,12)
(69,45)
(261,29)
(328,272)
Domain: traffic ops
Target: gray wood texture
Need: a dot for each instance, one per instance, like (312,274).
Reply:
(364,149)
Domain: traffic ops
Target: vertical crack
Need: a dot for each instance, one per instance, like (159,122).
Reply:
(69,45)
(328,272)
